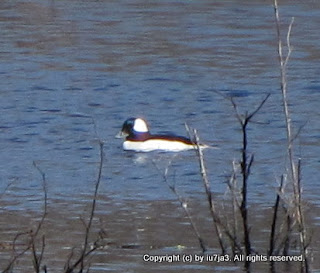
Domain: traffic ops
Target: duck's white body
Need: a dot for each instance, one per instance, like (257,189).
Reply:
(139,139)
(156,144)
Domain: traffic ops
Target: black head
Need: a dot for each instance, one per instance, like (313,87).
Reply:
(134,128)
(127,127)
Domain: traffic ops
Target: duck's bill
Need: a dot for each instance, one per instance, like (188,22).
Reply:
(121,135)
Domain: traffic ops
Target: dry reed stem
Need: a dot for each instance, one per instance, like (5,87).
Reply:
(219,226)
(294,168)
(213,211)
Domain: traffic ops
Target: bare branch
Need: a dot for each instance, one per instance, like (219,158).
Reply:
(32,235)
(294,169)
(259,107)
(183,204)
(85,252)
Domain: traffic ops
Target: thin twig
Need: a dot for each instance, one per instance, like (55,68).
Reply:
(45,192)
(93,207)
(85,252)
(275,218)
(37,259)
(16,255)
(206,182)
(232,185)
(183,204)
(5,189)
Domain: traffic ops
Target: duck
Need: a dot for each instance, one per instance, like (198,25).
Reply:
(139,139)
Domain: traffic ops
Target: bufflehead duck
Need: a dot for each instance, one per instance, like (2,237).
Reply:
(138,138)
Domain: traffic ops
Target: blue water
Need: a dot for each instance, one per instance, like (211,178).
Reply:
(83,63)
(72,71)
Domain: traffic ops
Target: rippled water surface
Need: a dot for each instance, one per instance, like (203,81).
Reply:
(72,71)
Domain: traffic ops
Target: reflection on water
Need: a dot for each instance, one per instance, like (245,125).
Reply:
(71,72)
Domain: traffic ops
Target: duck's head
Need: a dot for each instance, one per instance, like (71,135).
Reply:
(133,127)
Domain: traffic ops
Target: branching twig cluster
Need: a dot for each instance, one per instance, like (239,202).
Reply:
(36,246)
(293,221)
(237,242)
(288,215)
(31,237)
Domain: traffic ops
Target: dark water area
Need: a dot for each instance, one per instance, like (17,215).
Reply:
(72,71)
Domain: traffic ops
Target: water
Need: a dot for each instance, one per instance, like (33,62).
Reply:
(72,71)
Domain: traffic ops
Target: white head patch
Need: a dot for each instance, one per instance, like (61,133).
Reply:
(140,126)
